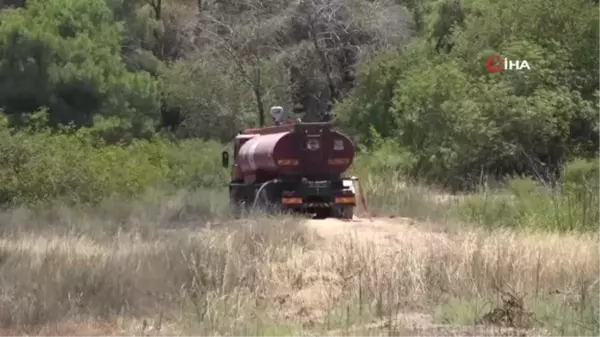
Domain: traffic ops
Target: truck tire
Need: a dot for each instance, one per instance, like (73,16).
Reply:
(344,212)
(323,213)
(236,203)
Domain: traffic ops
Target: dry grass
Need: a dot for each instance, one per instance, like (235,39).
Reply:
(76,270)
(179,266)
(386,270)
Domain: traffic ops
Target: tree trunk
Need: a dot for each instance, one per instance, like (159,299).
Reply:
(260,106)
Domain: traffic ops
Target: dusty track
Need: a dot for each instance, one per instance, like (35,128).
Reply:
(381,231)
(313,284)
(317,283)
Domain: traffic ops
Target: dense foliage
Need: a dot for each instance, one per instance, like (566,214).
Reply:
(458,121)
(105,97)
(65,55)
(37,165)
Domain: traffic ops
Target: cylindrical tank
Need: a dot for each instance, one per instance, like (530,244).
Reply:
(290,153)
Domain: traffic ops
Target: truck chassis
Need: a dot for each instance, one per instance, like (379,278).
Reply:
(321,198)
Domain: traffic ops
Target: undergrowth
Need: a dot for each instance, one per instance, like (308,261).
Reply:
(520,202)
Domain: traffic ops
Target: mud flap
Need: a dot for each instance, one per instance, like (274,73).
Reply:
(345,213)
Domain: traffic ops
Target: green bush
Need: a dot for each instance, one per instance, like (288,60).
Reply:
(43,166)
(582,173)
(65,55)
(458,122)
(529,204)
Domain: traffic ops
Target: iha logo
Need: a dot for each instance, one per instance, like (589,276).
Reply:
(495,64)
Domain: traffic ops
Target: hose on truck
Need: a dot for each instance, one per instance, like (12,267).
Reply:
(265,184)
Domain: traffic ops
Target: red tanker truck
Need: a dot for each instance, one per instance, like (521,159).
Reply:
(292,167)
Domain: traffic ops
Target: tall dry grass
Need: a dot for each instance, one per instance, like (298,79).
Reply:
(182,266)
(458,277)
(138,261)
(514,247)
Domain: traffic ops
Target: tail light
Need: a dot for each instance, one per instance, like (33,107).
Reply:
(291,201)
(345,200)
(287,162)
(339,161)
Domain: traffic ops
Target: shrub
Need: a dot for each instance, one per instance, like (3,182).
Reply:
(41,166)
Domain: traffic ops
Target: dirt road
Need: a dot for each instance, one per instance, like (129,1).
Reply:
(380,231)
(325,278)
(401,277)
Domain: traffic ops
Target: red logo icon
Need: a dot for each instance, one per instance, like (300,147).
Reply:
(494,64)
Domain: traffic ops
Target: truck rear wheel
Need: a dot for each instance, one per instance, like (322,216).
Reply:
(344,212)
(237,202)
(322,213)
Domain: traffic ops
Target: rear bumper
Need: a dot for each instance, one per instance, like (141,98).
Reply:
(318,194)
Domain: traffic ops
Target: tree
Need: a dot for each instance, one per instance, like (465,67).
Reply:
(12,3)
(333,35)
(459,122)
(65,55)
(243,47)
